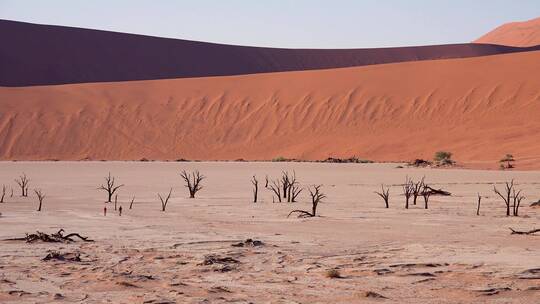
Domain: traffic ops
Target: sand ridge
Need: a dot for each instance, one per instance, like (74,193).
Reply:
(523,34)
(478,108)
(75,55)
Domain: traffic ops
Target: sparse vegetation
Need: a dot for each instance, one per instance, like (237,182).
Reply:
(279,159)
(443,158)
(352,159)
(110,187)
(193,181)
(507,162)
(333,274)
(23,182)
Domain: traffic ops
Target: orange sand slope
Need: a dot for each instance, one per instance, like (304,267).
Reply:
(523,34)
(478,108)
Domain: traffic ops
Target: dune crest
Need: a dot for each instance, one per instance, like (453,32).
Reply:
(32,54)
(521,34)
(478,108)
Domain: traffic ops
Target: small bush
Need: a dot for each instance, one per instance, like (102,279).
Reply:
(279,159)
(333,274)
(443,158)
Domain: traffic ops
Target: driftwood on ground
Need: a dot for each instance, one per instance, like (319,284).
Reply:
(524,232)
(57,237)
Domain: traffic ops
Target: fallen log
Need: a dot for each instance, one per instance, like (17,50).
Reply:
(57,237)
(438,191)
(524,232)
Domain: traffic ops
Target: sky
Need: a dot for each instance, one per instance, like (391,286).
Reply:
(282,23)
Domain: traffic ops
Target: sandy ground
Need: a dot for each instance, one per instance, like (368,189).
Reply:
(445,254)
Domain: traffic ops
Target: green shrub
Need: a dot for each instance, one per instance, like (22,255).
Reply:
(443,158)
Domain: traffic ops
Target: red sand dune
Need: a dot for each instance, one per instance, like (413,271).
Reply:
(479,108)
(522,34)
(32,54)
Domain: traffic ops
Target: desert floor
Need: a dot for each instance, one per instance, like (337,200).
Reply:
(445,254)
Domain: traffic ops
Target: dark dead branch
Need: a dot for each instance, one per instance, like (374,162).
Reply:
(164,201)
(408,189)
(384,194)
(193,181)
(255,184)
(417,188)
(23,182)
(275,187)
(438,191)
(57,237)
(316,197)
(110,187)
(4,188)
(40,197)
(524,232)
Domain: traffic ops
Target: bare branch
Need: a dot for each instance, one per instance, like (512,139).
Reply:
(165,201)
(110,187)
(193,181)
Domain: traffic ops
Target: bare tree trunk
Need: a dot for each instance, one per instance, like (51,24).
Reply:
(385,195)
(110,188)
(255,183)
(3,193)
(115,201)
(478,206)
(23,181)
(40,197)
(131,204)
(193,181)
(164,201)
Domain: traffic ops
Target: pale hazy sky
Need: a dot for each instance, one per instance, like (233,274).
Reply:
(281,23)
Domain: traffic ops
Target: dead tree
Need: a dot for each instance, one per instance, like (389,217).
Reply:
(110,188)
(517,198)
(426,193)
(478,206)
(285,184)
(295,191)
(40,197)
(3,193)
(165,201)
(408,189)
(115,201)
(509,186)
(131,204)
(417,188)
(316,197)
(385,195)
(255,183)
(23,181)
(275,187)
(193,181)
